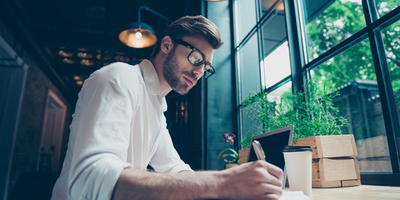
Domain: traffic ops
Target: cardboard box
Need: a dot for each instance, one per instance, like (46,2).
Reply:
(330,146)
(335,162)
(336,172)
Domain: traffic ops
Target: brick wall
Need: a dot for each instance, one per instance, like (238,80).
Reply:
(28,138)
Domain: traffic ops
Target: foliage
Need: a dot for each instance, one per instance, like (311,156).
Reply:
(233,154)
(391,39)
(338,22)
(245,143)
(312,113)
(230,139)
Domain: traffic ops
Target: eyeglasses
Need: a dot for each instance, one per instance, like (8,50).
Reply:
(196,58)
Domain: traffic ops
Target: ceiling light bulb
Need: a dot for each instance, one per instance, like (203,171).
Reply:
(138,35)
(138,43)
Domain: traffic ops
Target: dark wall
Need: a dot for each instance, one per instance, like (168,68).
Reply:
(28,138)
(184,125)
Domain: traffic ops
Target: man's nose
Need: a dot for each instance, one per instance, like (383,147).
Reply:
(199,71)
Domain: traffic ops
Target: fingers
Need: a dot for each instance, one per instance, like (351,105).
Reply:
(273,190)
(270,192)
(271,197)
(254,180)
(275,171)
(268,173)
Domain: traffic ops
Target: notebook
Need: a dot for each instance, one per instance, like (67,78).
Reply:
(293,195)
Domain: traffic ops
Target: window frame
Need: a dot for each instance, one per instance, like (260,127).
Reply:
(372,32)
(300,67)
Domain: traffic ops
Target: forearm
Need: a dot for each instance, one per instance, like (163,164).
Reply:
(138,184)
(255,180)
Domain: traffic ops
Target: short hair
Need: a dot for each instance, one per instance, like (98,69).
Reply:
(191,26)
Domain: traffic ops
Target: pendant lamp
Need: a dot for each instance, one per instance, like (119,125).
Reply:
(139,34)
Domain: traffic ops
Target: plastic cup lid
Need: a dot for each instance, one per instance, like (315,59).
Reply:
(291,148)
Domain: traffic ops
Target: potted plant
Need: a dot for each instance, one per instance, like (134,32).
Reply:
(230,156)
(312,113)
(316,124)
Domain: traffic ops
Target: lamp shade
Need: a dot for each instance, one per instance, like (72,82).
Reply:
(138,35)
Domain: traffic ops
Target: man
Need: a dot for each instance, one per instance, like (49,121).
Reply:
(118,129)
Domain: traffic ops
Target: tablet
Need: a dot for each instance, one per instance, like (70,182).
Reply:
(272,143)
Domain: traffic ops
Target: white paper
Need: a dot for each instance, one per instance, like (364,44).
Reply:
(294,195)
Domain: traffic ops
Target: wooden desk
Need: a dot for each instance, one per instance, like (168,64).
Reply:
(363,192)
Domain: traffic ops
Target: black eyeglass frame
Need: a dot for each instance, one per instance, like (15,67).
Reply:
(210,71)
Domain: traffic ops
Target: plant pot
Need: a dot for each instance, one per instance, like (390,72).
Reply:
(230,165)
(243,155)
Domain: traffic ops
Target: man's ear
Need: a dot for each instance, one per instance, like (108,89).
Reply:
(166,44)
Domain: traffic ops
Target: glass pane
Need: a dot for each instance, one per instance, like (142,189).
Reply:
(249,68)
(276,65)
(352,75)
(276,62)
(245,18)
(266,5)
(330,22)
(284,89)
(385,6)
(391,41)
(249,77)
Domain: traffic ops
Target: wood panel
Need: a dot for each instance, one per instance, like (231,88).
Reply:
(330,146)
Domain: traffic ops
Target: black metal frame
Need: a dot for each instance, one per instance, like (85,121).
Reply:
(300,66)
(235,111)
(384,83)
(204,110)
(372,32)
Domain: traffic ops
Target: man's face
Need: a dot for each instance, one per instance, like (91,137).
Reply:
(179,73)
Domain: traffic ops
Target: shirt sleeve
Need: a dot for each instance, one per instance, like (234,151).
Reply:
(166,159)
(108,99)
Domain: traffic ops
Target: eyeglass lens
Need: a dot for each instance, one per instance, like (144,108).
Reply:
(196,59)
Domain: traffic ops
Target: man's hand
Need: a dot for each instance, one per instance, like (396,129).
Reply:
(254,180)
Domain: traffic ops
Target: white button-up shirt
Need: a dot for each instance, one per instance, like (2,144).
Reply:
(118,123)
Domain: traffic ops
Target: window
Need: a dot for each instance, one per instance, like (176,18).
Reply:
(248,76)
(351,46)
(275,63)
(352,75)
(385,6)
(391,40)
(276,66)
(245,18)
(262,58)
(346,50)
(331,22)
(267,5)
(276,94)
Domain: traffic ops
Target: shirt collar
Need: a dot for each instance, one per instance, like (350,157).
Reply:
(152,82)
(150,77)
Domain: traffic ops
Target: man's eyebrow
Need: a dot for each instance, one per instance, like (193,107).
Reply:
(186,43)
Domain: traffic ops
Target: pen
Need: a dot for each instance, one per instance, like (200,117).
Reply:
(259,150)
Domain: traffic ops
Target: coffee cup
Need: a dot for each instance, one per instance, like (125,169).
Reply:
(298,163)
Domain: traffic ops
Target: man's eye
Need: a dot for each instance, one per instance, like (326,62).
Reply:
(194,59)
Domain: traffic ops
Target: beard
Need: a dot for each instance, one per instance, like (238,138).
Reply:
(171,74)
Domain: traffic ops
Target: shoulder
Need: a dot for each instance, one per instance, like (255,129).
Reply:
(119,70)
(119,73)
